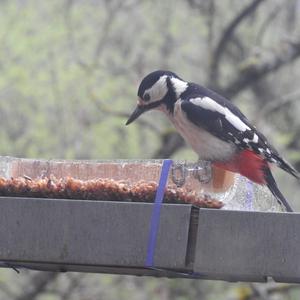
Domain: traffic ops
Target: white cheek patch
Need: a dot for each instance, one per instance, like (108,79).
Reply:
(158,90)
(210,104)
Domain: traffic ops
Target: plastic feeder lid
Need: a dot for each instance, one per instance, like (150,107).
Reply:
(235,191)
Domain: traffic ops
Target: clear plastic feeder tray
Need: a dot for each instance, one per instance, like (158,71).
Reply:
(235,191)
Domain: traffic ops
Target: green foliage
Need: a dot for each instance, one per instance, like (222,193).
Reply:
(69,74)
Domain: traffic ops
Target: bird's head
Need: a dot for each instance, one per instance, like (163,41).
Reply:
(159,89)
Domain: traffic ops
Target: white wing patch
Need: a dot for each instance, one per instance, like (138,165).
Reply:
(210,104)
(206,145)
(254,139)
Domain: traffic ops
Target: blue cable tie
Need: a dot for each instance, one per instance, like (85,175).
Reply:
(155,218)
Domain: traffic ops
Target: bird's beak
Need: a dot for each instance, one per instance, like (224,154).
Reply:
(140,109)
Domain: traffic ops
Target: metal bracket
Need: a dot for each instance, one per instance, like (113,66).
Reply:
(179,173)
(200,170)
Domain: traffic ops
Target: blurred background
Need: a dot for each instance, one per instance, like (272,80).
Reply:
(69,75)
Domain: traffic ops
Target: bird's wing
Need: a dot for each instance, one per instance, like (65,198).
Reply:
(220,121)
(228,123)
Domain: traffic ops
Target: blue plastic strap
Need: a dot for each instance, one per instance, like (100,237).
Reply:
(155,218)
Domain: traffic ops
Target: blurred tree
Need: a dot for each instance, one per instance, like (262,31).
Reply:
(69,73)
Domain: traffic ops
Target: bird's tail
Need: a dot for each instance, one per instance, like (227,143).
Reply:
(284,165)
(272,185)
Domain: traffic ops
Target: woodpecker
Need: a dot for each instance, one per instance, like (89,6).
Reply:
(214,127)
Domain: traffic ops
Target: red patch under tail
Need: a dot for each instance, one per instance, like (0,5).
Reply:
(254,167)
(248,164)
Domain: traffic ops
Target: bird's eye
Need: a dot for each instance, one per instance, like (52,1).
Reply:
(146,97)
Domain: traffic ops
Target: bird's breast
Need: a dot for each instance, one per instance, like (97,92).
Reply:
(207,146)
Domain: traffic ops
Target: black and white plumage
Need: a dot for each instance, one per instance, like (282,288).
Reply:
(215,128)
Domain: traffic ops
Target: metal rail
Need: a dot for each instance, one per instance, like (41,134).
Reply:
(111,237)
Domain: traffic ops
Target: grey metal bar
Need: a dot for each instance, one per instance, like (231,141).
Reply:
(236,245)
(111,237)
(136,271)
(90,232)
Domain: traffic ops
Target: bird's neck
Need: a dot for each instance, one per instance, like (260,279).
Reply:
(176,88)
